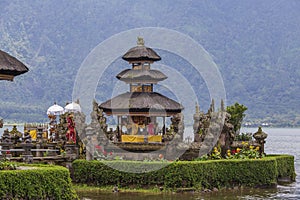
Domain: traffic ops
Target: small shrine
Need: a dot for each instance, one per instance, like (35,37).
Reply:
(56,142)
(141,113)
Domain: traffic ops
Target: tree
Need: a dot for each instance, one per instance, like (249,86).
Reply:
(237,112)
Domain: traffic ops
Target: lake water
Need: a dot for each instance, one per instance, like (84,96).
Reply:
(279,141)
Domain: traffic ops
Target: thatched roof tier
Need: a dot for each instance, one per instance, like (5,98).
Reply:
(141,103)
(141,53)
(141,76)
(10,67)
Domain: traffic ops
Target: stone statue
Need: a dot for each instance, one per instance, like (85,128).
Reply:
(27,138)
(227,135)
(140,41)
(71,132)
(53,127)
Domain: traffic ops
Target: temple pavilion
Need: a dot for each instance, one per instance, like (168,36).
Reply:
(139,110)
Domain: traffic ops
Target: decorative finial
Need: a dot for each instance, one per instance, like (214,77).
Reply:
(259,129)
(140,41)
(212,106)
(222,105)
(197,108)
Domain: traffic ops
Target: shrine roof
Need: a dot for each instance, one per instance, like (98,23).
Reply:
(131,75)
(141,52)
(141,102)
(9,65)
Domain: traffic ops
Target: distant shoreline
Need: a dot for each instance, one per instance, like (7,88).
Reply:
(243,127)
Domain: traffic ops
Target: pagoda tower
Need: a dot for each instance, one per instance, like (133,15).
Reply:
(139,109)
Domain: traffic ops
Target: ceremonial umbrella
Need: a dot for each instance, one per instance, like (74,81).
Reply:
(55,110)
(10,67)
(73,107)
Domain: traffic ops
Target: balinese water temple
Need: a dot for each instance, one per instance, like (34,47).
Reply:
(149,124)
(139,110)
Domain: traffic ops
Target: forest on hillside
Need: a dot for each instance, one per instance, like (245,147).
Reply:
(255,45)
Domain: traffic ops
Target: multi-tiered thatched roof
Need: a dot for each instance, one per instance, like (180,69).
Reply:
(141,100)
(141,52)
(144,103)
(150,76)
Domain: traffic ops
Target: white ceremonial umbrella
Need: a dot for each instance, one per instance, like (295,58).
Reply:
(55,110)
(73,107)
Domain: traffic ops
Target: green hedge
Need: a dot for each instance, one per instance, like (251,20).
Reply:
(43,182)
(285,166)
(197,174)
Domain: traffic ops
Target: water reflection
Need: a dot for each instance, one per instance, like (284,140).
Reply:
(228,194)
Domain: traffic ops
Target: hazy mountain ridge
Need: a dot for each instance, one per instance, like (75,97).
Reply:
(255,45)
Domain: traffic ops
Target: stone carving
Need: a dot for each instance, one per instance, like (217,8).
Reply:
(176,129)
(6,138)
(99,115)
(27,138)
(207,126)
(53,127)
(260,137)
(80,124)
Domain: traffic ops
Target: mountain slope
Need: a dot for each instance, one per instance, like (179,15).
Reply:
(255,45)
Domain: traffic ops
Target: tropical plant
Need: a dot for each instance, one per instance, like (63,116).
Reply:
(237,112)
(243,137)
(6,165)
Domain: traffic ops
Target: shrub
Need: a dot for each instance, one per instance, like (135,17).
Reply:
(243,137)
(197,174)
(285,167)
(6,165)
(40,182)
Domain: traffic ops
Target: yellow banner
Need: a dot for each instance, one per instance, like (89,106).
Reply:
(33,134)
(141,138)
(154,138)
